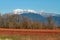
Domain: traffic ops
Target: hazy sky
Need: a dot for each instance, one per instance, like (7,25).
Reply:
(46,5)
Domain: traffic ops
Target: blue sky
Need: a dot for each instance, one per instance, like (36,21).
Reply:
(46,5)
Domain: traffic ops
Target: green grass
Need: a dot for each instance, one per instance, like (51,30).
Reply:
(30,37)
(14,37)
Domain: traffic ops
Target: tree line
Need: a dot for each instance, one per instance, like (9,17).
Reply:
(16,21)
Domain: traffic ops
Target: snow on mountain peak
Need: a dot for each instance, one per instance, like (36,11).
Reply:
(19,11)
(41,12)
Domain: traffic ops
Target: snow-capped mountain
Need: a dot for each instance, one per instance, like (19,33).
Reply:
(20,11)
(38,16)
(42,13)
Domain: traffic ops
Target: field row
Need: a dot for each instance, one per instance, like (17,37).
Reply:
(28,31)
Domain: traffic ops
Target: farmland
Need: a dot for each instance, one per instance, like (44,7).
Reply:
(29,34)
(31,37)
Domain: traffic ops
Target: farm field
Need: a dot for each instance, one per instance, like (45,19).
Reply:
(29,34)
(31,37)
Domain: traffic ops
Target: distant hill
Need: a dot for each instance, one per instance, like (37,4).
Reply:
(42,18)
(38,17)
(34,17)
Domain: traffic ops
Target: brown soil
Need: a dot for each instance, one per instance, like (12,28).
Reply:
(28,31)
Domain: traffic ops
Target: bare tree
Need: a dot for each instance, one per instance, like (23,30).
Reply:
(50,22)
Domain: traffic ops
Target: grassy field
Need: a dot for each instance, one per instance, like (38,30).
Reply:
(30,37)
